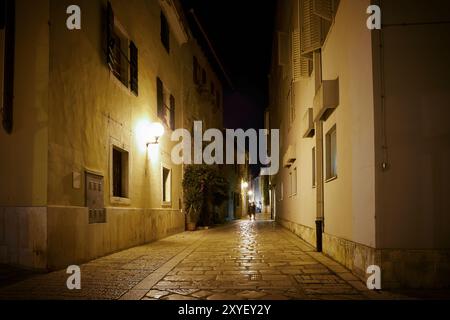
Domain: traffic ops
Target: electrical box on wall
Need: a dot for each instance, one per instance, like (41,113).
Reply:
(95,199)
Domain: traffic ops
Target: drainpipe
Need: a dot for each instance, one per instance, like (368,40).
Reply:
(319,158)
(320,185)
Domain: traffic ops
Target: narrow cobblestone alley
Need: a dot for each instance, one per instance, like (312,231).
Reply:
(241,261)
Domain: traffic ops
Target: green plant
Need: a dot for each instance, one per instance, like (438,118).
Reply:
(204,187)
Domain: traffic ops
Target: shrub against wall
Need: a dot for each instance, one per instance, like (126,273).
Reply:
(205,188)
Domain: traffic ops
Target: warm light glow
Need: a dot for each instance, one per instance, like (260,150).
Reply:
(148,133)
(156,132)
(250,193)
(143,134)
(244,185)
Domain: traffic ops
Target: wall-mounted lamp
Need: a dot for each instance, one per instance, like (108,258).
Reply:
(155,132)
(244,185)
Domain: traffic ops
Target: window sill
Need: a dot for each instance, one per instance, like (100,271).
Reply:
(331,179)
(166,205)
(120,201)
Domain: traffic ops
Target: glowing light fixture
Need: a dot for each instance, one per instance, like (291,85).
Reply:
(155,132)
(244,185)
(250,193)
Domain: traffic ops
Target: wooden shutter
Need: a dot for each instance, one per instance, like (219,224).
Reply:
(134,68)
(296,55)
(8,24)
(306,66)
(311,35)
(172,112)
(160,97)
(323,9)
(111,42)
(302,66)
(165,32)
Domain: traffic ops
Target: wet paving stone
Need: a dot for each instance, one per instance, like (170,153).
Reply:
(241,261)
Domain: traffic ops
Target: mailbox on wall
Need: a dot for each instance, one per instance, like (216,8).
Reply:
(95,198)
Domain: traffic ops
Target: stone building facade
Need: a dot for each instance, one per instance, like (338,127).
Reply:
(365,135)
(79,177)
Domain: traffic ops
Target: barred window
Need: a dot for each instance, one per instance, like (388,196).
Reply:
(7,45)
(122,54)
(166,105)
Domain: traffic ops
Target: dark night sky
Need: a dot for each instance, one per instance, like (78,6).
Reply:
(241,33)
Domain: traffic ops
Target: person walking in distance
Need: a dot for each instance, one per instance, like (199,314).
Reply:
(252,211)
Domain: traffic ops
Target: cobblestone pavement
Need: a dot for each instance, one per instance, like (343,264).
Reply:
(241,261)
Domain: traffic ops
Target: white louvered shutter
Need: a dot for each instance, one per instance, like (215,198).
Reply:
(301,66)
(323,9)
(311,35)
(306,67)
(296,56)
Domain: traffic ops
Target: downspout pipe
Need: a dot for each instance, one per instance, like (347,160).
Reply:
(320,181)
(320,186)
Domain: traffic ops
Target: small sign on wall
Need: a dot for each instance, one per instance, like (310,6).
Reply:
(76,180)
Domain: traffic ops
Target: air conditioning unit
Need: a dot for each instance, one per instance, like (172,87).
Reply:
(289,157)
(308,124)
(326,99)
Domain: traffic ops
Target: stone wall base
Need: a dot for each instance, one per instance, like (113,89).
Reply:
(51,238)
(400,268)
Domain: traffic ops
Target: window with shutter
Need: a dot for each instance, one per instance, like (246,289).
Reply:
(110,37)
(323,9)
(172,112)
(166,105)
(331,155)
(165,33)
(120,173)
(302,66)
(296,56)
(7,39)
(119,52)
(160,98)
(166,186)
(311,28)
(134,68)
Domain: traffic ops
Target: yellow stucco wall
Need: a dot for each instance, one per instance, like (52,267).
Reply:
(69,111)
(23,169)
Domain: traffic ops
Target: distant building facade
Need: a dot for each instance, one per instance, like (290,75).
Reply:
(79,177)
(365,135)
